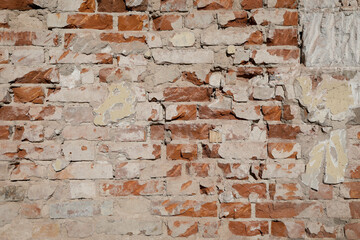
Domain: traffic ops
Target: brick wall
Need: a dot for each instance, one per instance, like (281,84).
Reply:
(167,119)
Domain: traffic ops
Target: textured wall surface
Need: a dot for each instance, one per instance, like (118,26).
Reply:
(167,119)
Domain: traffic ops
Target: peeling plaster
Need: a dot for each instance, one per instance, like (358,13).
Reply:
(118,105)
(332,98)
(333,152)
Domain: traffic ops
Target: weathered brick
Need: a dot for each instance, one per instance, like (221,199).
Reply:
(129,133)
(126,226)
(287,210)
(234,170)
(86,132)
(231,37)
(162,56)
(350,190)
(283,131)
(167,22)
(247,190)
(127,170)
(279,37)
(287,170)
(72,209)
(30,210)
(78,150)
(29,94)
(188,208)
(132,150)
(187,94)
(132,187)
(253,228)
(181,112)
(9,38)
(213,5)
(243,150)
(286,191)
(4,132)
(199,20)
(173,5)
(27,171)
(235,210)
(60,56)
(288,229)
(199,169)
(189,131)
(85,170)
(182,228)
(352,230)
(186,152)
(12,193)
(284,150)
(179,186)
(132,22)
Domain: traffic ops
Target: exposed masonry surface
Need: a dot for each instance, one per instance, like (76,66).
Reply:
(173,119)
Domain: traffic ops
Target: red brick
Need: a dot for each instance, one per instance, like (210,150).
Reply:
(96,21)
(120,38)
(210,151)
(187,94)
(88,6)
(293,229)
(283,150)
(287,115)
(271,113)
(157,132)
(355,209)
(240,19)
(256,38)
(291,18)
(352,189)
(352,230)
(28,39)
(133,187)
(213,5)
(251,4)
(10,113)
(286,4)
(207,113)
(186,152)
(283,37)
(253,228)
(4,132)
(283,131)
(280,210)
(198,169)
(235,210)
(181,112)
(111,6)
(17,4)
(132,22)
(325,192)
(247,189)
(235,171)
(165,22)
(38,76)
(188,208)
(189,131)
(175,171)
(29,94)
(286,191)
